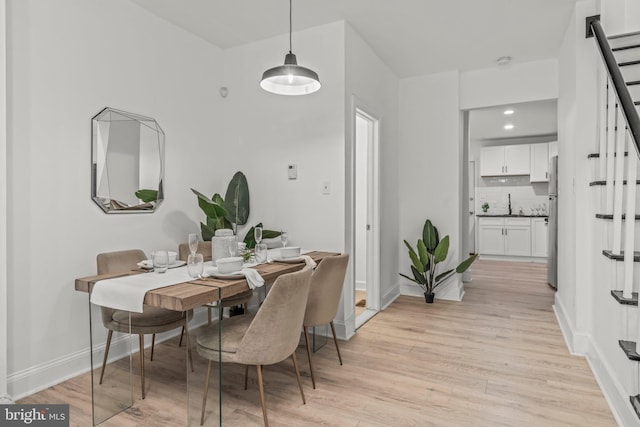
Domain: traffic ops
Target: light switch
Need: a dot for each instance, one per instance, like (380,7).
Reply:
(326,187)
(292,171)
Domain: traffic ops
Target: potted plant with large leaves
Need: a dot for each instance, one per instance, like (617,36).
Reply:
(229,212)
(431,251)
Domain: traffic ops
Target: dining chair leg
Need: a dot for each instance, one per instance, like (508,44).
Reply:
(335,340)
(186,329)
(142,362)
(181,335)
(295,366)
(306,340)
(246,375)
(106,353)
(206,391)
(153,344)
(262,401)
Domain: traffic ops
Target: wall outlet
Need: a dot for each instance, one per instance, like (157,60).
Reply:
(326,187)
(292,171)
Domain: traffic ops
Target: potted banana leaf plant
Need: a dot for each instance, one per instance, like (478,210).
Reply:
(431,251)
(229,212)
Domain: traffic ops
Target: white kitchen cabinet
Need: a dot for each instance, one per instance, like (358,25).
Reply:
(539,236)
(491,236)
(504,236)
(539,154)
(517,236)
(505,160)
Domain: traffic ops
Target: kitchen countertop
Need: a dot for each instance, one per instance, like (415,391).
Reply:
(487,215)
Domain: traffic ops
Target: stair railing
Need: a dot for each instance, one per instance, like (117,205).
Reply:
(621,132)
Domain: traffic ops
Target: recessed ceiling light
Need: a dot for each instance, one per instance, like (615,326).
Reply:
(508,112)
(508,126)
(503,60)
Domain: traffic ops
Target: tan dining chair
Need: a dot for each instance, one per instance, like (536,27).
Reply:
(266,338)
(152,320)
(242,299)
(324,298)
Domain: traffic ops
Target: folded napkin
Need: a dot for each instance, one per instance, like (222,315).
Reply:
(127,293)
(254,279)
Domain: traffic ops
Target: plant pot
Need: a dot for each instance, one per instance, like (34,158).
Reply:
(428,298)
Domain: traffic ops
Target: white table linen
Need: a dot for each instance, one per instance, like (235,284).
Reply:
(127,293)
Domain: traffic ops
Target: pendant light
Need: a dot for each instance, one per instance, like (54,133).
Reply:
(290,78)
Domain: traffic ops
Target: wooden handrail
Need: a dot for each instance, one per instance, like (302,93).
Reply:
(625,101)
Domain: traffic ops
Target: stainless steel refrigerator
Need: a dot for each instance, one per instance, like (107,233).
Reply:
(552,229)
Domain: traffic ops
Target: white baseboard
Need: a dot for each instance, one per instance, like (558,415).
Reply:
(613,391)
(542,260)
(566,326)
(44,375)
(451,291)
(361,285)
(389,297)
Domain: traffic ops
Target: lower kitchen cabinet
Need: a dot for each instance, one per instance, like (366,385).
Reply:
(539,236)
(504,236)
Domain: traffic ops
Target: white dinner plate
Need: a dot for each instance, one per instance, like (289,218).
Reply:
(213,272)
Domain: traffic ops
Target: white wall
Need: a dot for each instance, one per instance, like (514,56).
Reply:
(373,87)
(263,133)
(504,85)
(67,60)
(430,167)
(3,203)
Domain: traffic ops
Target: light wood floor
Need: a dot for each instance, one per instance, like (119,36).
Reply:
(360,295)
(495,359)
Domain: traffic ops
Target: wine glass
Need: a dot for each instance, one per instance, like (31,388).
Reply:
(284,238)
(261,253)
(193,243)
(195,265)
(257,234)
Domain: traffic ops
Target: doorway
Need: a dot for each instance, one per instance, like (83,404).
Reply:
(366,251)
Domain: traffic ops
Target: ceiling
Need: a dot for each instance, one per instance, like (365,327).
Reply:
(413,37)
(529,119)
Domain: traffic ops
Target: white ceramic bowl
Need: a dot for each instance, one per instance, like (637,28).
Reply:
(290,251)
(229,265)
(172,256)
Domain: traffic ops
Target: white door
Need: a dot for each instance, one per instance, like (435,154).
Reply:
(365,200)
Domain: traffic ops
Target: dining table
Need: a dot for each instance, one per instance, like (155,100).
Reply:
(116,393)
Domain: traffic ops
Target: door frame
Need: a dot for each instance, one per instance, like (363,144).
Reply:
(359,107)
(3,202)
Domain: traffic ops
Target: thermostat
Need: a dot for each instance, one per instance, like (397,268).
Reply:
(292,171)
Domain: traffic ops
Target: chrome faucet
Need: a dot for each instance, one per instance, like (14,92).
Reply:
(509,194)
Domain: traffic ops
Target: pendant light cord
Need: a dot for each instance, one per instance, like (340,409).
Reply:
(290,26)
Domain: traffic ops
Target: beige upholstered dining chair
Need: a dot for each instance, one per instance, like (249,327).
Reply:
(151,321)
(266,338)
(324,297)
(242,299)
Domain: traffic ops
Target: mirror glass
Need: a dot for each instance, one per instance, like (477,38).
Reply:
(127,162)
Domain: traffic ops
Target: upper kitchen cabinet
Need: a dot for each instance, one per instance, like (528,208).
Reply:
(540,157)
(505,160)
(539,162)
